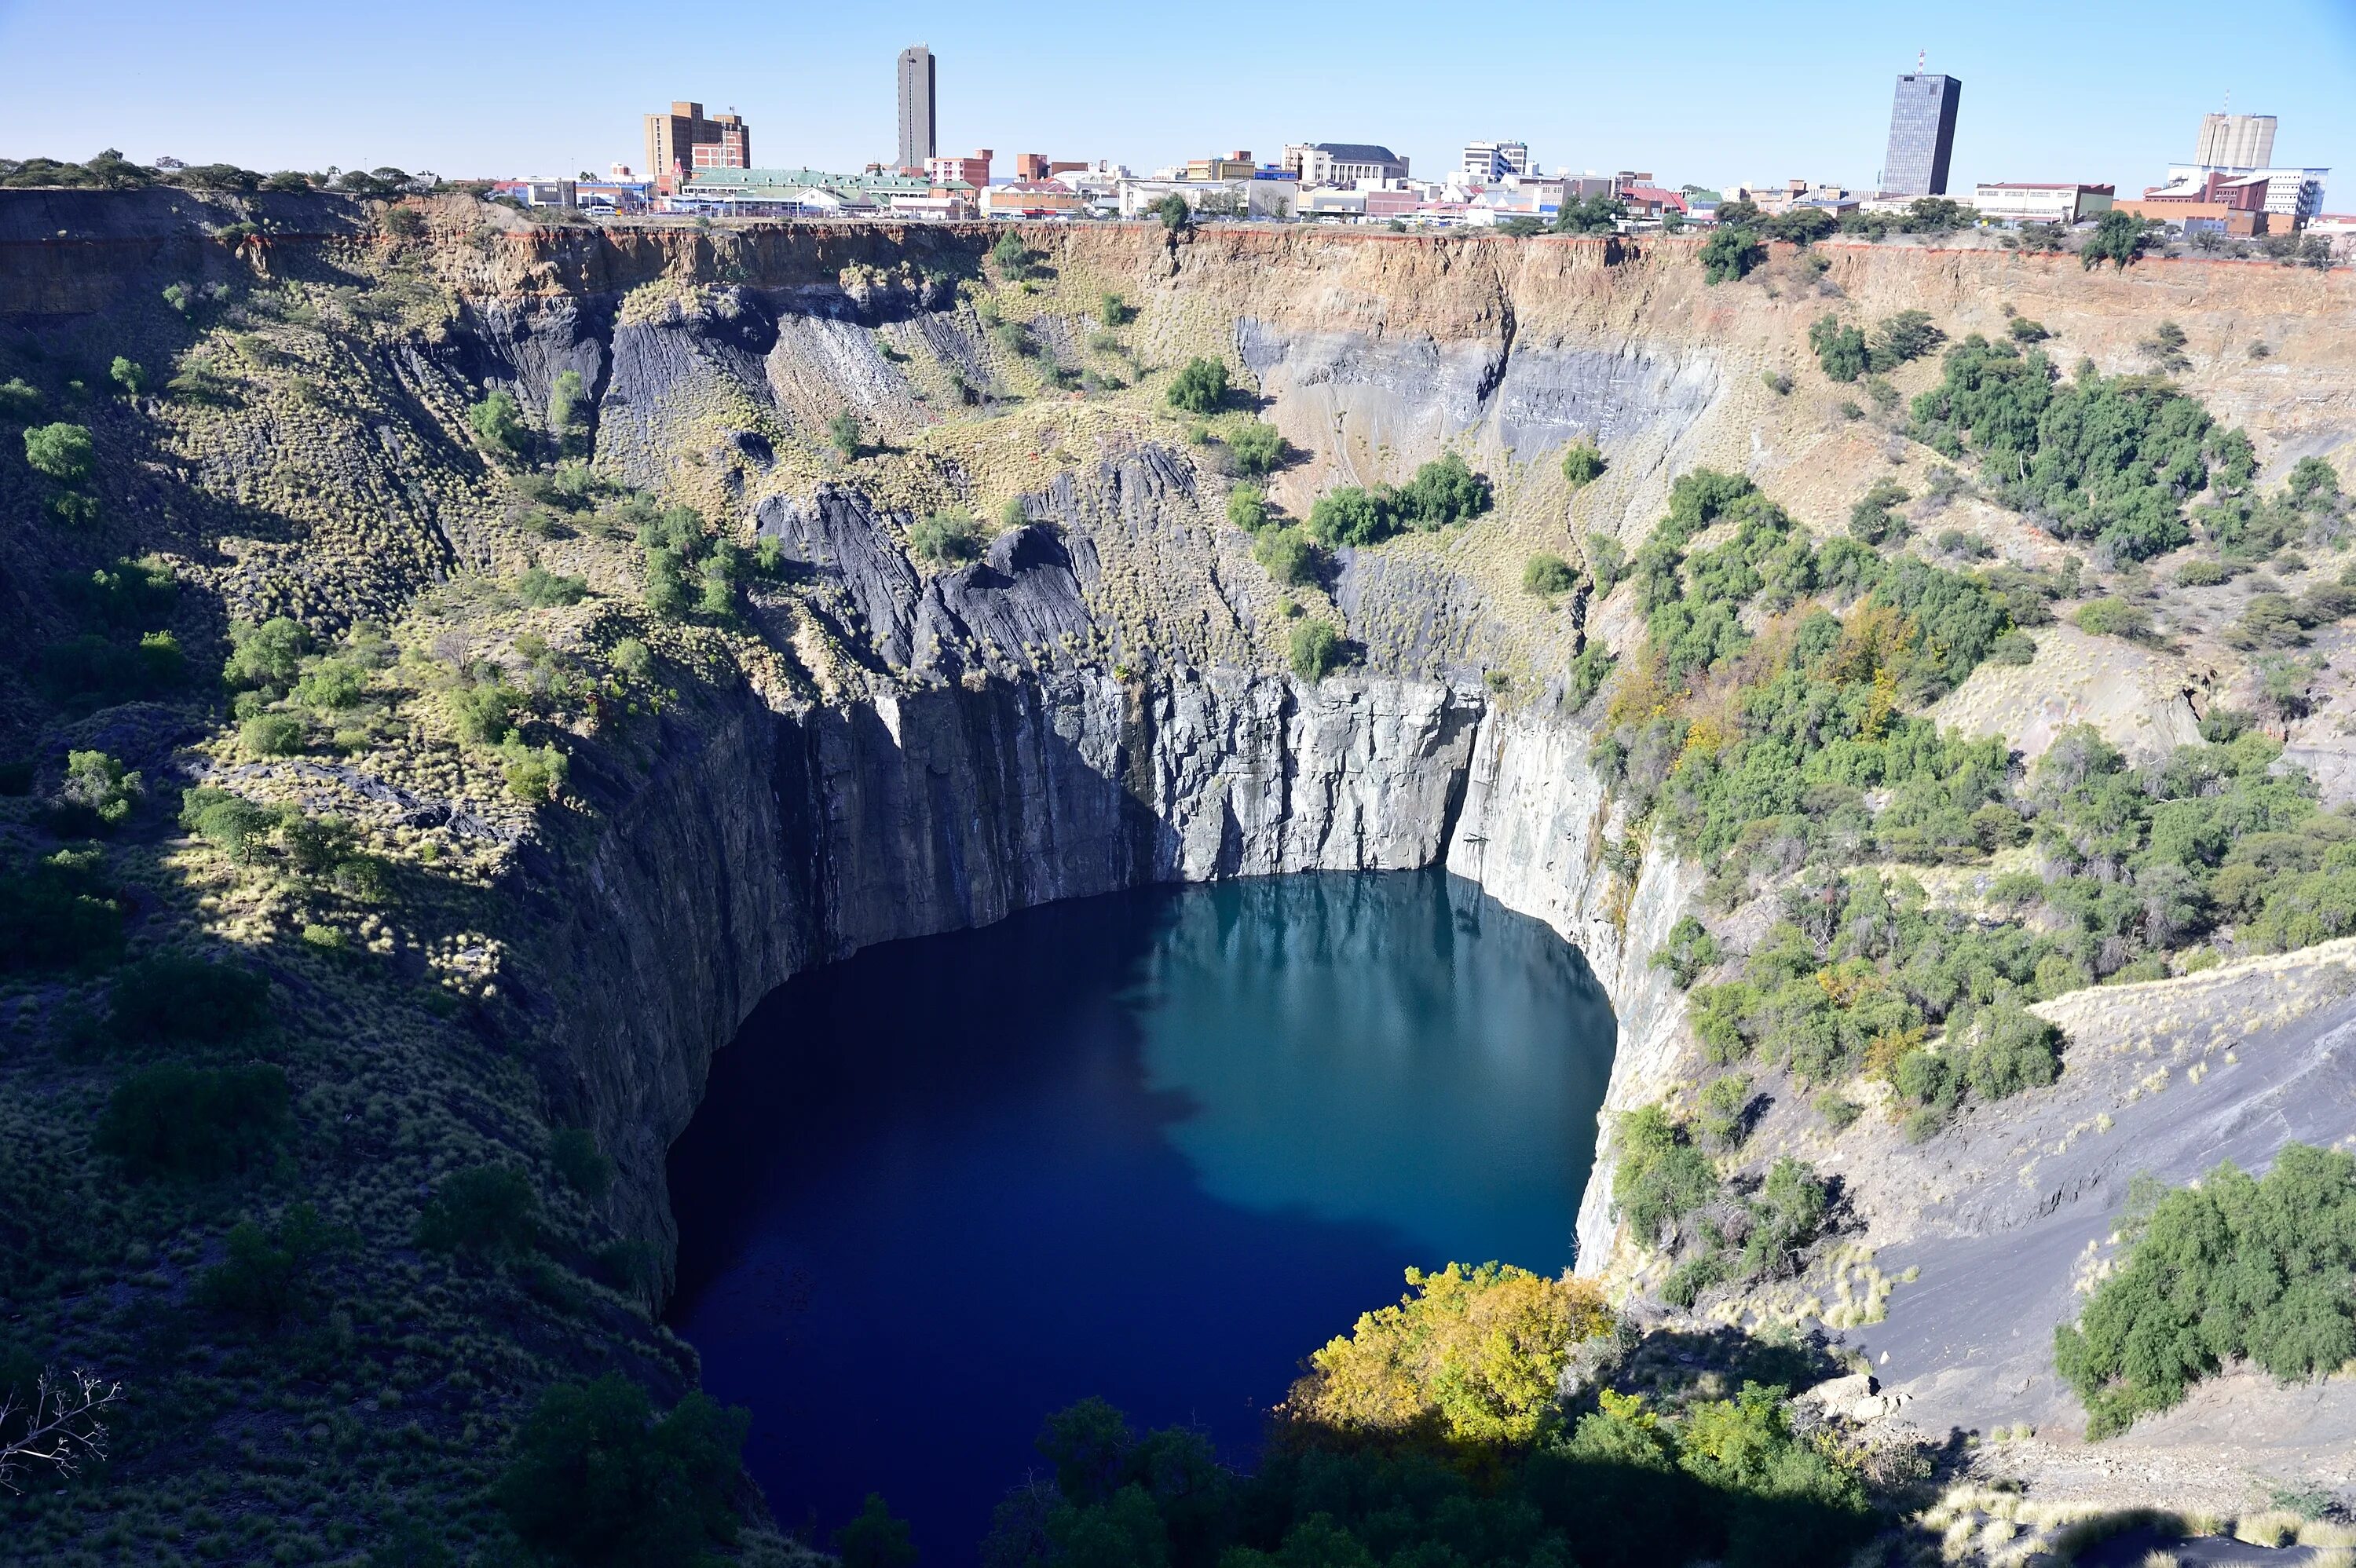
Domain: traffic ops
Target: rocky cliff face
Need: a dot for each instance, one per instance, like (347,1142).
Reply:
(768,841)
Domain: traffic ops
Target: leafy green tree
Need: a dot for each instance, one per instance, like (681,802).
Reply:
(1874,517)
(267,658)
(594,1479)
(541,589)
(666,582)
(1938,215)
(194,1122)
(61,452)
(1175,215)
(1200,387)
(1112,311)
(498,420)
(1582,463)
(187,1000)
(1599,214)
(229,822)
(2235,1268)
(20,400)
(1730,254)
(490,1210)
(566,397)
(1840,350)
(1316,649)
(2119,237)
(947,537)
(266,1277)
(1547,574)
(1287,556)
(581,1164)
(97,790)
(875,1539)
(1899,338)
(129,375)
(1800,225)
(1248,508)
(60,913)
(1257,447)
(1661,1177)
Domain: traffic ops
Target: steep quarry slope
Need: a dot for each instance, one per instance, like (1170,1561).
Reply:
(868,745)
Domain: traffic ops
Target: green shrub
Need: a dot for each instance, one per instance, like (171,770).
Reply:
(566,394)
(1689,950)
(2013,648)
(1316,649)
(2237,1268)
(194,1122)
(191,1000)
(1582,464)
(266,658)
(129,375)
(63,453)
(1837,1109)
(1607,562)
(1444,492)
(594,1478)
(2112,617)
(97,792)
(498,420)
(1199,388)
(484,711)
(1661,1177)
(875,1539)
(331,684)
(1840,350)
(1873,519)
(488,1210)
(271,734)
(1546,574)
(266,1278)
(1257,447)
(633,658)
(1248,508)
(1287,556)
(540,588)
(584,1168)
(1777,382)
(1730,254)
(666,582)
(947,538)
(533,773)
(59,914)
(90,667)
(19,401)
(229,823)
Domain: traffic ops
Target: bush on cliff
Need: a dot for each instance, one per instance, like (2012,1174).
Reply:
(596,1478)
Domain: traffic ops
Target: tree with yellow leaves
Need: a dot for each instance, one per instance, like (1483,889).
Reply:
(1471,1356)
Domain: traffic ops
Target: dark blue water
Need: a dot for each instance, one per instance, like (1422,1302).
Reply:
(1156,1147)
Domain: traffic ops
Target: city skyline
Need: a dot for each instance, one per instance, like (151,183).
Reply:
(1738,98)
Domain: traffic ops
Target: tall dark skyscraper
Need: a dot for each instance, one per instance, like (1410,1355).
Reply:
(1922,134)
(916,124)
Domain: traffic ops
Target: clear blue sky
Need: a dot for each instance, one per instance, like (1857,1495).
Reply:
(1702,90)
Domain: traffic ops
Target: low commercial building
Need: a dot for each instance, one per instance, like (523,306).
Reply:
(973,170)
(2019,202)
(2290,197)
(1348,164)
(1236,166)
(1247,197)
(1031,198)
(2195,217)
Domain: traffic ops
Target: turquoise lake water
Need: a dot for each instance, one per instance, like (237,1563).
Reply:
(1155,1146)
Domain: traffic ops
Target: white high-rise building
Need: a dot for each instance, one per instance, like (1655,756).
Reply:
(918,133)
(1486,162)
(2236,142)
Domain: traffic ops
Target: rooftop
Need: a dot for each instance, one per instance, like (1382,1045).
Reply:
(1355,152)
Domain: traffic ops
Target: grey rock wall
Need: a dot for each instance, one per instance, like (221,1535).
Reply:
(767,842)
